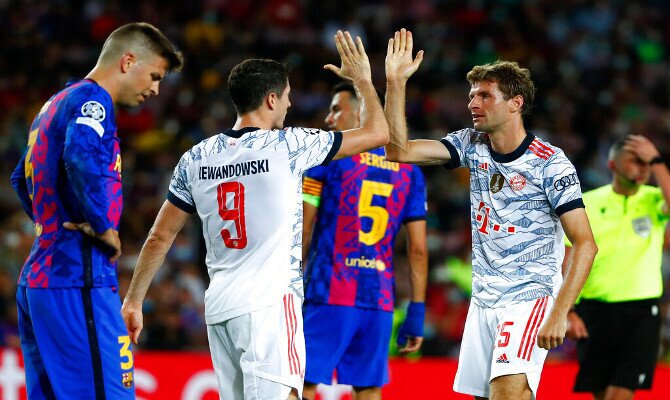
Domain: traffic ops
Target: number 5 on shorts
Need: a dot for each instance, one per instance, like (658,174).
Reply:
(504,336)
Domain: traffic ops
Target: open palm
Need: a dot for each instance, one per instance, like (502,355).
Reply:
(399,63)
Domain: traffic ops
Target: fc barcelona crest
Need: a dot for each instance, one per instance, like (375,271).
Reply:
(497,182)
(127,379)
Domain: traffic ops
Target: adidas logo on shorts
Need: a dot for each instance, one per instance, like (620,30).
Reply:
(502,359)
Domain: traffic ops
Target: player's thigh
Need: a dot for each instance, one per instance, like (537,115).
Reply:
(474,358)
(328,333)
(515,346)
(226,361)
(271,348)
(511,387)
(80,335)
(116,355)
(38,385)
(365,361)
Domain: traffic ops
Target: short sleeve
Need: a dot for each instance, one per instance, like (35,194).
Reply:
(561,184)
(179,192)
(308,148)
(456,143)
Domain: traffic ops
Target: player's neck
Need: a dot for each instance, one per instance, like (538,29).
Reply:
(104,80)
(507,139)
(253,119)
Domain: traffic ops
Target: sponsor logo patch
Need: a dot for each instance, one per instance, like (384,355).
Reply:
(565,182)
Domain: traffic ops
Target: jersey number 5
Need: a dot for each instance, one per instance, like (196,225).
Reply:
(379,215)
(236,214)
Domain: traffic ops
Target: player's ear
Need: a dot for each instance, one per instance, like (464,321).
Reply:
(611,165)
(127,61)
(271,100)
(516,103)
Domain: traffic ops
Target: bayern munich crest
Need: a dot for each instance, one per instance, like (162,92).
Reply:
(94,110)
(517,182)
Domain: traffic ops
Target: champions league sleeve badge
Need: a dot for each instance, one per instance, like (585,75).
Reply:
(92,114)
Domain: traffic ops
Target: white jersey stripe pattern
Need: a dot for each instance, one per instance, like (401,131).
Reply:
(516,201)
(247,189)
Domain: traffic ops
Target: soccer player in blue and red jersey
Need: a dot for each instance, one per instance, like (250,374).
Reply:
(74,342)
(362,201)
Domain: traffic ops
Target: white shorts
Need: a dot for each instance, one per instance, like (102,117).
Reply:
(501,341)
(260,355)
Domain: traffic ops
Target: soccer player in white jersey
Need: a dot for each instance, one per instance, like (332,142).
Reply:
(524,193)
(246,186)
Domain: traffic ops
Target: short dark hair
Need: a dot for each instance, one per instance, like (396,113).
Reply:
(251,80)
(346,86)
(511,78)
(142,37)
(616,149)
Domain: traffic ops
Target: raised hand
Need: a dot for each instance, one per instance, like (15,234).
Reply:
(110,237)
(399,63)
(642,147)
(355,64)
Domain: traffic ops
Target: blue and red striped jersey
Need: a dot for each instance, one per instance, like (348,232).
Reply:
(364,200)
(71,171)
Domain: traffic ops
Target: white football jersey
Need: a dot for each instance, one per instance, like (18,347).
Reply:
(246,186)
(517,198)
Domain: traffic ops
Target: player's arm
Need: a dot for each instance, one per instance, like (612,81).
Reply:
(576,326)
(399,67)
(647,152)
(18,180)
(86,155)
(578,230)
(169,222)
(373,132)
(410,335)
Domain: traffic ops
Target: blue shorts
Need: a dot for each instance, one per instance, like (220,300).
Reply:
(75,344)
(353,341)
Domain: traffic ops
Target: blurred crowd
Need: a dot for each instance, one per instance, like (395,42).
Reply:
(602,70)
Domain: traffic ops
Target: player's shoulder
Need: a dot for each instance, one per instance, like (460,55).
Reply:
(204,148)
(87,91)
(298,130)
(469,135)
(544,150)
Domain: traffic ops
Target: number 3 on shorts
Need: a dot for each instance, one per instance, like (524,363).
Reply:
(125,353)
